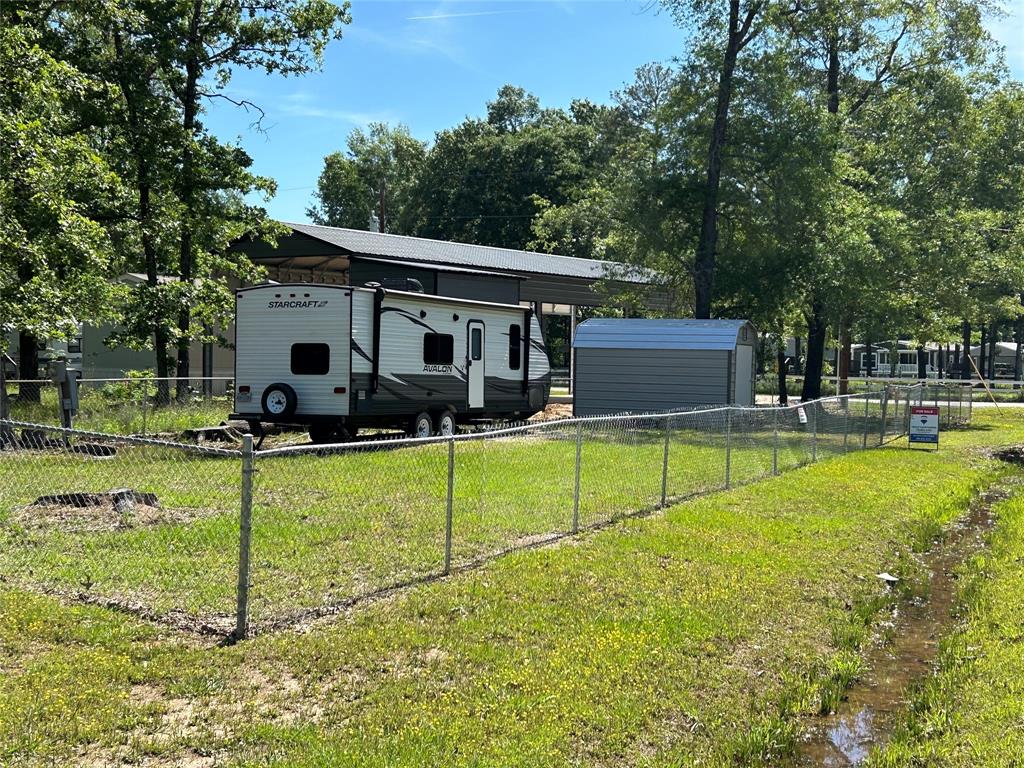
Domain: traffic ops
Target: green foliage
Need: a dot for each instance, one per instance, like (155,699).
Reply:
(55,186)
(382,166)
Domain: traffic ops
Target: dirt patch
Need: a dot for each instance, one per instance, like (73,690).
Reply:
(98,512)
(553,412)
(1012,455)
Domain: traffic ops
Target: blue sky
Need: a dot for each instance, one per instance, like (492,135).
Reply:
(429,64)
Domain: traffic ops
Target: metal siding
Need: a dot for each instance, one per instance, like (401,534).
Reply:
(612,381)
(363,272)
(504,290)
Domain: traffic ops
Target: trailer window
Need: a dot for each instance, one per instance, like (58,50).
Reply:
(438,348)
(476,344)
(311,359)
(515,347)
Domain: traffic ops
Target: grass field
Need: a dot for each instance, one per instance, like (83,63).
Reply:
(703,635)
(971,713)
(319,521)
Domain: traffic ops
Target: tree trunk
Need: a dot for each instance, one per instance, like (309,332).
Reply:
(869,360)
(143,183)
(782,367)
(817,326)
(843,364)
(922,364)
(704,261)
(190,107)
(965,363)
(28,367)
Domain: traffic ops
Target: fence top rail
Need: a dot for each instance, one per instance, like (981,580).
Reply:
(128,380)
(123,439)
(541,426)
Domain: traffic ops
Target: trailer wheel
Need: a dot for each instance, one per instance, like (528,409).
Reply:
(279,401)
(446,426)
(422,425)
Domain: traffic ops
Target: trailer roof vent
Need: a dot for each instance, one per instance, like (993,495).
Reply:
(409,284)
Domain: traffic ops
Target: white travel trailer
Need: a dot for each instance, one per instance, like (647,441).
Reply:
(337,358)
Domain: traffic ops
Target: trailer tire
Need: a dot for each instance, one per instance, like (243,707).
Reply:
(279,401)
(422,425)
(321,433)
(446,426)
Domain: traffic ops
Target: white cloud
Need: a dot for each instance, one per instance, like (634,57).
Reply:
(305,104)
(457,15)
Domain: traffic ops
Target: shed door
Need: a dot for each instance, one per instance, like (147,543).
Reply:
(744,375)
(475,364)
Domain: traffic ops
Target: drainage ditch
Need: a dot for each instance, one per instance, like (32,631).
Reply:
(865,718)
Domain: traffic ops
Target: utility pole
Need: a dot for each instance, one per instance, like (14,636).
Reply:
(383,204)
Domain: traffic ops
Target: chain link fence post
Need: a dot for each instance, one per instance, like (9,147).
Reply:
(244,541)
(576,489)
(728,446)
(775,440)
(846,423)
(145,403)
(448,508)
(814,432)
(906,417)
(664,462)
(867,417)
(884,396)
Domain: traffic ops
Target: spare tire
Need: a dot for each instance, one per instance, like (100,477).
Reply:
(279,401)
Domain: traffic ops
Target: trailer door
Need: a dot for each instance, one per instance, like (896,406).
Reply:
(475,368)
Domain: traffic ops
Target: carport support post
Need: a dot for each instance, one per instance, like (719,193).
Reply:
(576,488)
(244,538)
(728,446)
(775,440)
(448,508)
(664,462)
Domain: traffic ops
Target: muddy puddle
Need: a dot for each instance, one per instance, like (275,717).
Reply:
(865,718)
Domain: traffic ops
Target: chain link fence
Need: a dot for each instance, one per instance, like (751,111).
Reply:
(227,540)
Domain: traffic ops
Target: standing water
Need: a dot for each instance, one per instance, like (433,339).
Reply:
(866,716)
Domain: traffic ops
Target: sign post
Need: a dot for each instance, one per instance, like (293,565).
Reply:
(924,425)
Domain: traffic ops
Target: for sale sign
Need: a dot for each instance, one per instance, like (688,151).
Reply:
(924,424)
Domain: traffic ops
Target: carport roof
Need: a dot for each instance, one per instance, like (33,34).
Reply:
(484,257)
(618,333)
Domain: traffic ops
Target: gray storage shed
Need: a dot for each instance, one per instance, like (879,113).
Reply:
(657,365)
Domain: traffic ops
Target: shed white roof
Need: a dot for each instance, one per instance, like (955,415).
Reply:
(617,333)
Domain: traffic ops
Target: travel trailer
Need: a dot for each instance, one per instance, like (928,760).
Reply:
(337,358)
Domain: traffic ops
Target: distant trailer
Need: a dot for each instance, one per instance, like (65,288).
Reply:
(337,358)
(657,365)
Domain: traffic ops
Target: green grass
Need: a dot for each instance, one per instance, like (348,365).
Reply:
(700,636)
(124,408)
(971,712)
(319,521)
